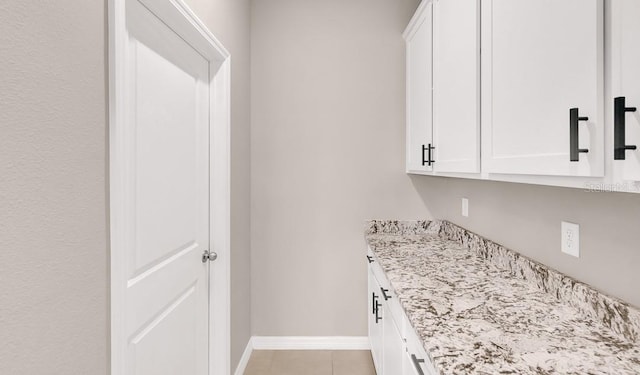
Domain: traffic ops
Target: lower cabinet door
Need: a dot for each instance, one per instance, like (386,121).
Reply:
(375,313)
(393,347)
(415,358)
(408,368)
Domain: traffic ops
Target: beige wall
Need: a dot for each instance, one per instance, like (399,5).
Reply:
(53,205)
(229,20)
(327,153)
(54,287)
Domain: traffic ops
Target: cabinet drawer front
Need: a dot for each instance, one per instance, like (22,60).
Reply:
(391,300)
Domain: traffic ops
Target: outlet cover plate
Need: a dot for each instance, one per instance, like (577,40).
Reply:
(570,238)
(465,207)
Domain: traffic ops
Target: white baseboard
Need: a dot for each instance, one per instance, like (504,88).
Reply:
(244,360)
(310,343)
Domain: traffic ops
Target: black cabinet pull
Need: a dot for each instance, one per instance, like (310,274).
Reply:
(370,258)
(423,159)
(429,160)
(374,302)
(378,317)
(575,150)
(619,128)
(416,363)
(384,293)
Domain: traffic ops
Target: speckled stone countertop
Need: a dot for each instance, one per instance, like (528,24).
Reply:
(480,308)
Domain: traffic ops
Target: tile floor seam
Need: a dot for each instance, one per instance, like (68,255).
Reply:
(333,364)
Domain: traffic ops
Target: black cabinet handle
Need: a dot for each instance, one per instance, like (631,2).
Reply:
(575,150)
(619,128)
(429,160)
(384,293)
(416,363)
(378,317)
(374,302)
(423,159)
(370,258)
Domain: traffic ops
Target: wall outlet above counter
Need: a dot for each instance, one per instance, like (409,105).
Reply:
(570,238)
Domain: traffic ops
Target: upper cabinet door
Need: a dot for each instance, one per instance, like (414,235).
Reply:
(456,85)
(541,58)
(626,84)
(418,37)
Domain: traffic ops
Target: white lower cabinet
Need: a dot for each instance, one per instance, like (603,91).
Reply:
(393,344)
(415,360)
(375,321)
(395,347)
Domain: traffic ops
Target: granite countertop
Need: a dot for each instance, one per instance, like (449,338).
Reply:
(480,308)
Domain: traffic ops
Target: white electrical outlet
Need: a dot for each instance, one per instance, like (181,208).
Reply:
(465,207)
(570,238)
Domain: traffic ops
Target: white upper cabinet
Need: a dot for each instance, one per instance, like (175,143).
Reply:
(418,37)
(541,58)
(456,85)
(626,88)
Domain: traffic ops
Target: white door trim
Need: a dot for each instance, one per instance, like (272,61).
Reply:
(177,15)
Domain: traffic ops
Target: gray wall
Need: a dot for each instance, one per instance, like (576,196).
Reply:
(328,146)
(53,196)
(327,153)
(229,20)
(527,219)
(54,286)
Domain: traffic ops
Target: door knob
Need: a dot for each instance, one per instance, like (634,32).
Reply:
(209,256)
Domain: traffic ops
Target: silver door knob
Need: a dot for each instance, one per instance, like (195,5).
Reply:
(209,256)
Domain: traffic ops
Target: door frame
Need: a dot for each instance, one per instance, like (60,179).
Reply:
(179,17)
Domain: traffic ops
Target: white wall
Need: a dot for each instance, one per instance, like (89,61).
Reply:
(53,188)
(327,153)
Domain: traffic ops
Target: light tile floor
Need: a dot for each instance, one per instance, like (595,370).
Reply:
(310,362)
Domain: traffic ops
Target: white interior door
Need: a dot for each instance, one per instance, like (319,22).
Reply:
(540,59)
(165,201)
(626,78)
